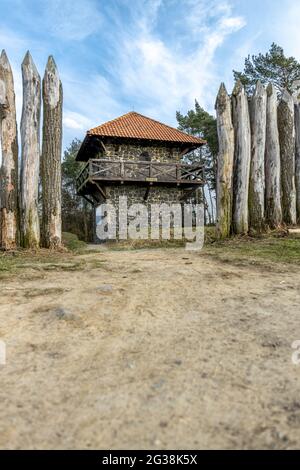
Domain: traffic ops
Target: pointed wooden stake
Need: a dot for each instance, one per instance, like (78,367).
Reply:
(9,168)
(30,139)
(286,127)
(51,156)
(272,162)
(242,156)
(258,108)
(225,163)
(297,163)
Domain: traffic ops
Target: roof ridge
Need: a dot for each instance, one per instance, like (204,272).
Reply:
(163,124)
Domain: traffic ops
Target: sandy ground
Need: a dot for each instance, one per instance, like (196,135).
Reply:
(151,349)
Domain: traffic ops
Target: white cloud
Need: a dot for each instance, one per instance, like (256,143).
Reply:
(144,67)
(76,121)
(163,77)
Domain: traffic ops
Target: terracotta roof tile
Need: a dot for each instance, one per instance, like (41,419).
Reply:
(136,126)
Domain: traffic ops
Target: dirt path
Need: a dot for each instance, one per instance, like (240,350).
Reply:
(153,349)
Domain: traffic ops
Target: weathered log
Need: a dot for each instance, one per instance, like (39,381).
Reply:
(9,168)
(297,158)
(225,163)
(258,112)
(286,128)
(242,156)
(272,162)
(51,156)
(30,154)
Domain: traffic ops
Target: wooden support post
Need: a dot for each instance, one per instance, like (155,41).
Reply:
(225,163)
(273,209)
(258,115)
(286,127)
(30,140)
(9,168)
(51,156)
(242,156)
(297,157)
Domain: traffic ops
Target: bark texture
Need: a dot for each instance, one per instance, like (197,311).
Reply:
(297,157)
(272,162)
(51,156)
(9,168)
(242,156)
(225,163)
(258,114)
(286,127)
(30,140)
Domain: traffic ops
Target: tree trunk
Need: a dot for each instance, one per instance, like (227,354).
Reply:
(258,115)
(297,165)
(211,205)
(286,127)
(272,162)
(9,169)
(51,156)
(204,205)
(224,163)
(242,157)
(30,140)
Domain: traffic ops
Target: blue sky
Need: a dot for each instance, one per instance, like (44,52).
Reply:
(153,56)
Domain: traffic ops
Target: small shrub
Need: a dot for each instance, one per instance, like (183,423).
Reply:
(71,242)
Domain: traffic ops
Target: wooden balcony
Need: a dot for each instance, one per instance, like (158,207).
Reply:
(104,172)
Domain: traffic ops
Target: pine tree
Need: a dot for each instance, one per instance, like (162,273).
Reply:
(273,67)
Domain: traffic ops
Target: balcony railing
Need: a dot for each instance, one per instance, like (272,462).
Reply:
(106,170)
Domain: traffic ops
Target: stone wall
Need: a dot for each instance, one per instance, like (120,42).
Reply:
(135,193)
(133,152)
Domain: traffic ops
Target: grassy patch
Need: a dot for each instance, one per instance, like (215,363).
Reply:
(144,244)
(34,264)
(256,250)
(41,260)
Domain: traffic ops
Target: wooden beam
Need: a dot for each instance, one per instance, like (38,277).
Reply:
(101,190)
(103,146)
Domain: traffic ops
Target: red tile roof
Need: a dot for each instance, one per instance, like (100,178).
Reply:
(136,126)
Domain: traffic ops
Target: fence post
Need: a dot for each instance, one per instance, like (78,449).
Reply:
(272,162)
(30,141)
(9,169)
(286,127)
(242,156)
(51,156)
(297,162)
(225,163)
(258,115)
